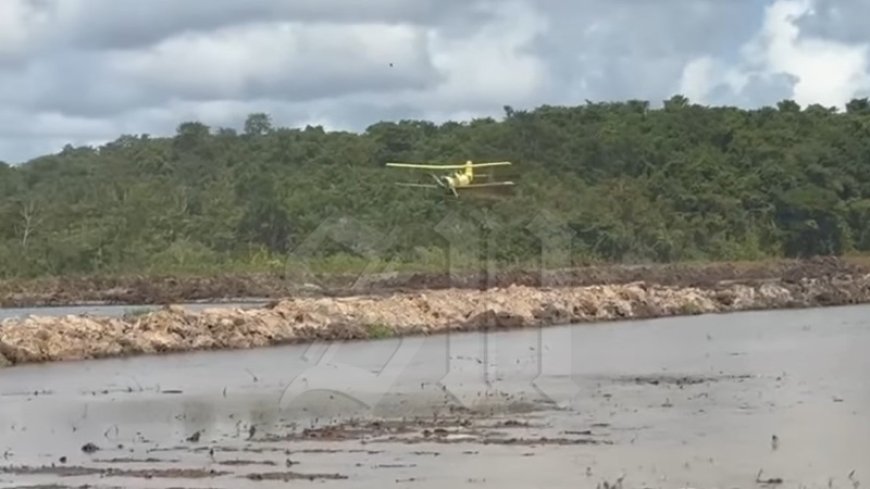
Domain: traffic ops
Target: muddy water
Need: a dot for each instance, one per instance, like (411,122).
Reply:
(687,402)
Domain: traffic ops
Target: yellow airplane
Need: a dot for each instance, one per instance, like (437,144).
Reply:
(462,178)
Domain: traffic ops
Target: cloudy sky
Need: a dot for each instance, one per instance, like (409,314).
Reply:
(87,71)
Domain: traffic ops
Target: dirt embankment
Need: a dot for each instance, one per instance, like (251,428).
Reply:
(169,289)
(302,319)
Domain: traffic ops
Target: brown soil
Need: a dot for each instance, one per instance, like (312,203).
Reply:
(125,460)
(71,471)
(234,463)
(58,486)
(167,290)
(290,476)
(391,312)
(452,430)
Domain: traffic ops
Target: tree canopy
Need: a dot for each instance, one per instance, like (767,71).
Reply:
(628,182)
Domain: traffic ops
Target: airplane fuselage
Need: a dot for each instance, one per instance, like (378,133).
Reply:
(462,177)
(459,179)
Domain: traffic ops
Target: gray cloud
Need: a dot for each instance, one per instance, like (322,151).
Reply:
(86,71)
(663,28)
(281,61)
(630,49)
(128,24)
(840,20)
(758,91)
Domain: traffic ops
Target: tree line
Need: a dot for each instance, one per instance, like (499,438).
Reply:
(624,181)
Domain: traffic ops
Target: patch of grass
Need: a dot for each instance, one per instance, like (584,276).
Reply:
(379,331)
(692,309)
(136,312)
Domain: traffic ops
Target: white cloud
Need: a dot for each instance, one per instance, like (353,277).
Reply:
(822,71)
(829,72)
(489,66)
(698,79)
(19,22)
(80,71)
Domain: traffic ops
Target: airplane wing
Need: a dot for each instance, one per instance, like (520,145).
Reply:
(446,167)
(424,167)
(481,185)
(417,185)
(491,163)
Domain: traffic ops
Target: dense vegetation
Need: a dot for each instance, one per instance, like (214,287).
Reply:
(684,182)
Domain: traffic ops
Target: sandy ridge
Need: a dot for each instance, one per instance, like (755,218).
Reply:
(302,319)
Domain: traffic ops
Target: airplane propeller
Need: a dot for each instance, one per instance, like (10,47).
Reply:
(442,182)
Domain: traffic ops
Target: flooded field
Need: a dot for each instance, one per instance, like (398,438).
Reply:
(778,399)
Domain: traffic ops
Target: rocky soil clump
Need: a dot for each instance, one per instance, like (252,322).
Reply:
(174,329)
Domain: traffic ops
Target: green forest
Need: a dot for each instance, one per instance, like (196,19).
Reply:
(600,182)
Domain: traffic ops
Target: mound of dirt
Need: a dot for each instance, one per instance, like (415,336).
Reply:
(302,319)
